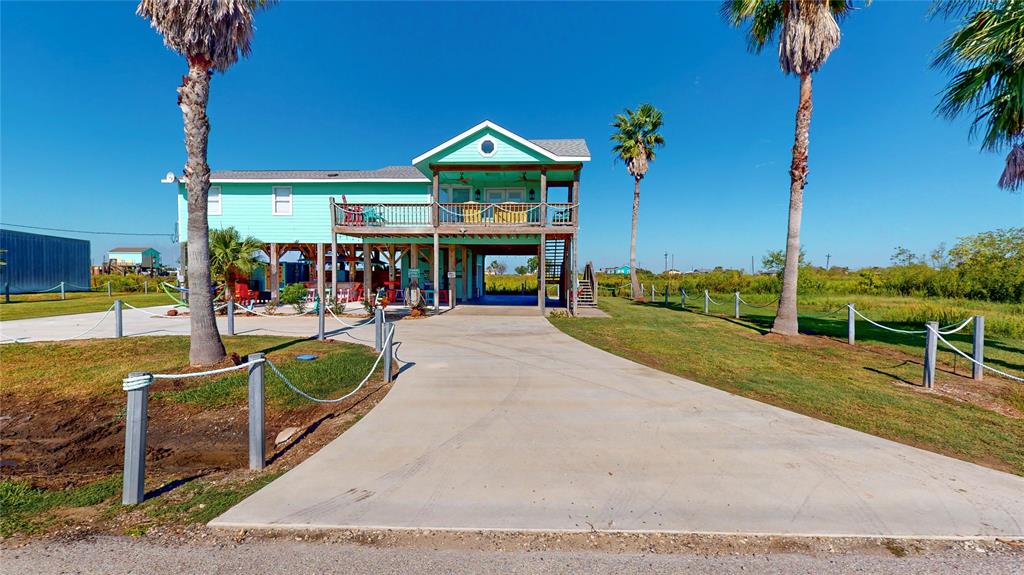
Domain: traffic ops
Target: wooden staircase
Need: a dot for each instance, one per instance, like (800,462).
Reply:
(587,296)
(554,258)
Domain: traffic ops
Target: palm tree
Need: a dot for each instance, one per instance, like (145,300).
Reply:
(211,35)
(808,32)
(987,63)
(636,137)
(232,257)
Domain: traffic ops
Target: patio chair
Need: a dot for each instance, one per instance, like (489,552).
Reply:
(353,214)
(374,216)
(471,212)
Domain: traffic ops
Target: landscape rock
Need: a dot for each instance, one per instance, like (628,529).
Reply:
(285,434)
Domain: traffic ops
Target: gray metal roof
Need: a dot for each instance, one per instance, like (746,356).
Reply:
(572,147)
(389,172)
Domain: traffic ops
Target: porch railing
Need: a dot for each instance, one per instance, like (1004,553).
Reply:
(471,214)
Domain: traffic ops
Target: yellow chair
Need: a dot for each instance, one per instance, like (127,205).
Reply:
(471,212)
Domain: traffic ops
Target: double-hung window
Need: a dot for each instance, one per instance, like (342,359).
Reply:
(213,205)
(282,198)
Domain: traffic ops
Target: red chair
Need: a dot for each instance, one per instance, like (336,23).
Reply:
(353,214)
(244,296)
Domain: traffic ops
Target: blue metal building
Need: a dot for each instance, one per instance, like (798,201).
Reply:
(35,262)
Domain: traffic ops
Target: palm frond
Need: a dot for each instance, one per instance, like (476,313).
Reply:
(214,32)
(636,137)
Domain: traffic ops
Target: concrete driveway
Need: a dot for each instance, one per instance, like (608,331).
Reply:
(503,422)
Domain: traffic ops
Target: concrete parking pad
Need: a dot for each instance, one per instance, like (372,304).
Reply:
(503,422)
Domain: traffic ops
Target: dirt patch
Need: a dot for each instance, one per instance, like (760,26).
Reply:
(65,443)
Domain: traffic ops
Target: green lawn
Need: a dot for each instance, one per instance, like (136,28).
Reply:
(46,305)
(871,387)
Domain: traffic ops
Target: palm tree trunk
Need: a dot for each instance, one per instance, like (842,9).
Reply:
(786,319)
(634,283)
(205,346)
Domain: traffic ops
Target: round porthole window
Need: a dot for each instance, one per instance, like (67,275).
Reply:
(487,147)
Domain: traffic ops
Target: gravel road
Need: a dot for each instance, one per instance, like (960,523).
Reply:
(126,555)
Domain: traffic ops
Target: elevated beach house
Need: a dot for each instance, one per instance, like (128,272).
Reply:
(485,192)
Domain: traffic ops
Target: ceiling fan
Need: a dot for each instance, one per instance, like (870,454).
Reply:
(463,179)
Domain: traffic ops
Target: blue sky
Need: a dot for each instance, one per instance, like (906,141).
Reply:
(89,121)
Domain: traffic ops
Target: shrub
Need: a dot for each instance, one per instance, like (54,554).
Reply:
(295,296)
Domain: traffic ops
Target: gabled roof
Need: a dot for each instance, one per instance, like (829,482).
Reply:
(385,174)
(556,150)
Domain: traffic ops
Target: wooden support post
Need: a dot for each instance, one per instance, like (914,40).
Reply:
(334,266)
(930,349)
(451,269)
(257,444)
(574,197)
(435,183)
(436,263)
(465,273)
(414,263)
(543,197)
(978,372)
(275,274)
(367,271)
(542,289)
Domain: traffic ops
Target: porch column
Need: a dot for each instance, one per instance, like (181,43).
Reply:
(275,274)
(451,269)
(436,185)
(575,278)
(367,272)
(465,273)
(542,290)
(563,287)
(574,197)
(334,264)
(543,197)
(437,260)
(414,264)
(320,272)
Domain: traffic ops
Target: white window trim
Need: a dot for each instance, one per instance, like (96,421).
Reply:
(480,146)
(273,200)
(504,193)
(219,203)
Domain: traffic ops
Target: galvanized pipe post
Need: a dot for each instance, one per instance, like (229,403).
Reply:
(118,320)
(851,325)
(930,348)
(108,289)
(666,295)
(389,351)
(706,303)
(320,317)
(231,317)
(378,328)
(257,444)
(145,286)
(133,488)
(736,297)
(682,297)
(63,296)
(978,372)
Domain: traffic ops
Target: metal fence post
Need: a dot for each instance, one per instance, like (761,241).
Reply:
(145,286)
(118,320)
(133,489)
(231,317)
(666,295)
(706,297)
(930,345)
(320,311)
(978,372)
(388,351)
(7,292)
(62,294)
(682,297)
(257,444)
(108,288)
(851,325)
(378,320)
(736,296)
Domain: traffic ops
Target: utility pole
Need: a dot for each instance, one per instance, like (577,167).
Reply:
(673,261)
(828,261)
(751,265)
(666,262)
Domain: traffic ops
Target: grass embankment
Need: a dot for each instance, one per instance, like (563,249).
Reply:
(872,387)
(63,425)
(29,306)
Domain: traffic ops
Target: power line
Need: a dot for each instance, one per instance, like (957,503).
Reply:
(83,230)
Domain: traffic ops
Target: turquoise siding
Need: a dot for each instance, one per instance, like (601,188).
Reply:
(248,208)
(506,151)
(127,257)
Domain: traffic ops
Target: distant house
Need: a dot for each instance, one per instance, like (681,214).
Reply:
(673,272)
(144,257)
(621,270)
